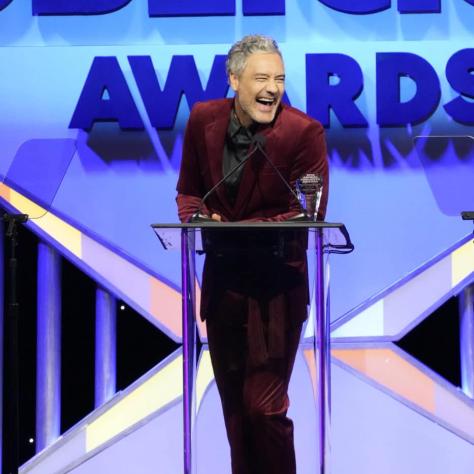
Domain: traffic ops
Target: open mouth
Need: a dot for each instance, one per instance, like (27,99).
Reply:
(266,101)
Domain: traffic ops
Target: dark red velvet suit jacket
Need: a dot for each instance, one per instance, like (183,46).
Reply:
(294,142)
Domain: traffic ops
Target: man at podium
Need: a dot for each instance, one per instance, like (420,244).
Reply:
(241,159)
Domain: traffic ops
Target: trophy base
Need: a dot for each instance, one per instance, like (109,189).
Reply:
(300,218)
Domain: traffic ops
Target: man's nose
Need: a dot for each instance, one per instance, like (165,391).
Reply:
(272,86)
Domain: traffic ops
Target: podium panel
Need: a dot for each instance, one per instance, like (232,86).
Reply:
(268,243)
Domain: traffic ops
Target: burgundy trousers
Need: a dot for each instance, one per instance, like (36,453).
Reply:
(254,397)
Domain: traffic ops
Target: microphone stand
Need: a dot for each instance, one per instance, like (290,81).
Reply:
(467,215)
(13,420)
(198,216)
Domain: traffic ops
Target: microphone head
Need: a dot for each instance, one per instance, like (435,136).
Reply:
(259,140)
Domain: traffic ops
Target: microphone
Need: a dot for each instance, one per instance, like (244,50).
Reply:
(260,141)
(256,140)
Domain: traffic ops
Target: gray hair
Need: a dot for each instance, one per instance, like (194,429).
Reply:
(240,51)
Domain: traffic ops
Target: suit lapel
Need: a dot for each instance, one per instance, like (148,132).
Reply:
(216,133)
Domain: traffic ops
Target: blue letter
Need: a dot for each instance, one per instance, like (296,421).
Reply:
(459,72)
(4,4)
(191,7)
(183,78)
(263,7)
(419,6)
(106,75)
(70,7)
(321,95)
(390,110)
(358,6)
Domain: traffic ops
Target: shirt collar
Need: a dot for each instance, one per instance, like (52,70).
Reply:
(235,127)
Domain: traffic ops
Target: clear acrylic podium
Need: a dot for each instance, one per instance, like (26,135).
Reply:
(194,237)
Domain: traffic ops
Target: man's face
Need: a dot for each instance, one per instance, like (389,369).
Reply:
(259,88)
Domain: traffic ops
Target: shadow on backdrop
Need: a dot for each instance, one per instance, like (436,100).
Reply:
(448,162)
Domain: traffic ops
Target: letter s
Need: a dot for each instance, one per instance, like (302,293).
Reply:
(359,7)
(460,75)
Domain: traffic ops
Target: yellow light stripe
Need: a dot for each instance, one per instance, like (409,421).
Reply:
(68,236)
(25,205)
(162,301)
(462,262)
(161,389)
(205,376)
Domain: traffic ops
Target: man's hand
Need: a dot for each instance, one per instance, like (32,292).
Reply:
(216,217)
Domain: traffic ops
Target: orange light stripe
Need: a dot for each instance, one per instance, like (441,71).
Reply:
(392,371)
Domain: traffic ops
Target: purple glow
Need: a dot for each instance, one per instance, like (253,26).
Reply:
(105,347)
(48,368)
(39,167)
(189,345)
(449,167)
(466,314)
(2,319)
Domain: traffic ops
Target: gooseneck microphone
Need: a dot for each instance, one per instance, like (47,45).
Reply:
(257,139)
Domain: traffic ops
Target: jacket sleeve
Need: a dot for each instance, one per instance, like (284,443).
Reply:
(190,186)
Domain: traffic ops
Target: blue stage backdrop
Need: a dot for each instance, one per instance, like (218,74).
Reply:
(98,94)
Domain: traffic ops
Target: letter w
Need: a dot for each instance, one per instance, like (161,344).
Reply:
(183,78)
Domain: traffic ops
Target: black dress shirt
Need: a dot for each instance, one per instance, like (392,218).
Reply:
(237,143)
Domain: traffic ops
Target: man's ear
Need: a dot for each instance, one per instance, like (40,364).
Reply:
(234,81)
